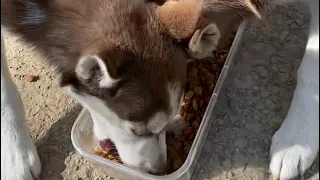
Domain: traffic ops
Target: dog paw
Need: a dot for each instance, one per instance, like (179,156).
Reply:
(19,158)
(292,151)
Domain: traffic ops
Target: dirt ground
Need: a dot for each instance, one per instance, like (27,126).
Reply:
(250,109)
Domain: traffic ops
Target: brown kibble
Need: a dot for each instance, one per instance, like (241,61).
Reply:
(192,85)
(189,95)
(201,103)
(111,157)
(193,73)
(173,152)
(187,148)
(195,124)
(194,104)
(191,136)
(214,67)
(177,145)
(211,87)
(204,70)
(185,116)
(191,117)
(190,64)
(181,138)
(170,141)
(187,131)
(209,79)
(97,151)
(104,153)
(31,78)
(198,119)
(177,163)
(198,90)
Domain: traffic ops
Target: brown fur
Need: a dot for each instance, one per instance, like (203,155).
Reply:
(125,34)
(180,18)
(142,45)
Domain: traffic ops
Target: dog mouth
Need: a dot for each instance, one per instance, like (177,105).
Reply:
(107,145)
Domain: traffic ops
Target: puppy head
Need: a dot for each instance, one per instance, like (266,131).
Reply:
(123,60)
(139,74)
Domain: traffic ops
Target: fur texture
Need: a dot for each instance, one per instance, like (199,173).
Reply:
(123,60)
(19,156)
(132,81)
(296,144)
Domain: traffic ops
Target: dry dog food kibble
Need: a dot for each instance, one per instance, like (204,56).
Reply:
(202,77)
(31,78)
(107,149)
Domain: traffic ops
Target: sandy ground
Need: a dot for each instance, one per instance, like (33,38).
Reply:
(250,109)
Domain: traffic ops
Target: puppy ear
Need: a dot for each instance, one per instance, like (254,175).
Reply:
(183,20)
(204,40)
(93,66)
(179,18)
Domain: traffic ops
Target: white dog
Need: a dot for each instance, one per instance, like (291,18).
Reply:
(294,146)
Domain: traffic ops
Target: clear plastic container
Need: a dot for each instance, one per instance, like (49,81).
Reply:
(82,135)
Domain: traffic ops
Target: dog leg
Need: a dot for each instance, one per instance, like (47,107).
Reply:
(19,156)
(296,144)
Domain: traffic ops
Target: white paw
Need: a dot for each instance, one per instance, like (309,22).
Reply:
(19,157)
(292,151)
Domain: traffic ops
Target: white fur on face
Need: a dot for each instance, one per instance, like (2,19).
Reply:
(139,152)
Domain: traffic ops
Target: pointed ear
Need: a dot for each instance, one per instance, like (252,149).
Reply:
(183,20)
(204,41)
(179,18)
(93,66)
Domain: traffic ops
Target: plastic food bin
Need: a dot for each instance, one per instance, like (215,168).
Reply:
(82,135)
